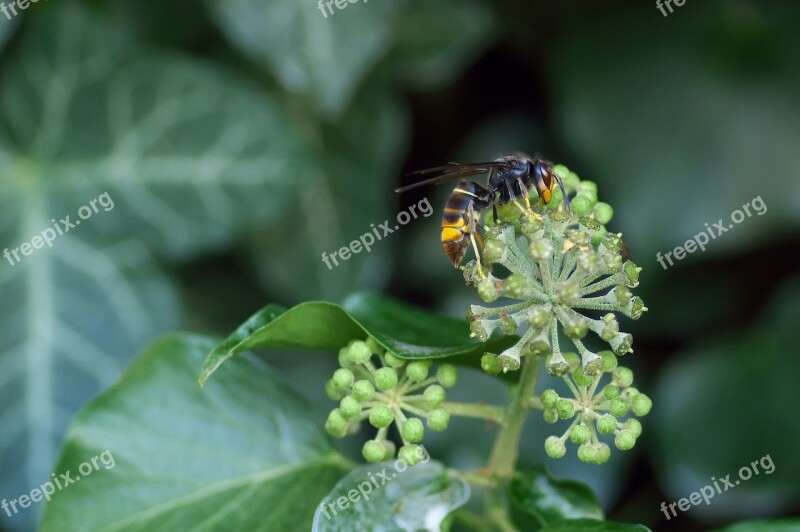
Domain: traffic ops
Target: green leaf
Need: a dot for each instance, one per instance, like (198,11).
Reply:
(405,331)
(326,58)
(6,29)
(591,525)
(435,41)
(343,192)
(188,156)
(243,454)
(407,499)
(551,500)
(764,525)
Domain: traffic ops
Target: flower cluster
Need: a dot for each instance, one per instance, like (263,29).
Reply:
(568,277)
(387,394)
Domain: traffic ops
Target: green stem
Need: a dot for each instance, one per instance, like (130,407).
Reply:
(506,446)
(479,410)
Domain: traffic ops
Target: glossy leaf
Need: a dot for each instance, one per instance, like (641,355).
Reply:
(188,157)
(243,454)
(591,525)
(407,499)
(405,331)
(551,500)
(323,57)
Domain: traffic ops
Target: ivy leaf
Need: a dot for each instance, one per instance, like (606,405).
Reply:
(6,29)
(404,330)
(385,498)
(435,41)
(551,500)
(188,156)
(243,454)
(591,525)
(323,57)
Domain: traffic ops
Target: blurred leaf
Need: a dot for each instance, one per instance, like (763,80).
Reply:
(417,498)
(324,57)
(551,500)
(242,454)
(343,191)
(435,41)
(6,29)
(590,525)
(684,122)
(404,330)
(722,406)
(187,157)
(772,525)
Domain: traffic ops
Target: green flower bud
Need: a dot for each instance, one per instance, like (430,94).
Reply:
(336,424)
(332,391)
(380,416)
(550,415)
(554,447)
(411,454)
(610,391)
(623,295)
(610,327)
(373,345)
(625,440)
(587,453)
(587,186)
(568,293)
(344,357)
(609,360)
(581,204)
(487,290)
(603,212)
(641,404)
(580,378)
(493,250)
(363,390)
(349,407)
(417,371)
(597,237)
(631,273)
(412,430)
(607,424)
(541,249)
(603,453)
(572,359)
(623,377)
(508,325)
(537,318)
(447,375)
(342,379)
(580,434)
(588,261)
(549,398)
(393,361)
(636,308)
(434,395)
(622,344)
(490,365)
(386,379)
(516,286)
(438,419)
(575,327)
(565,408)
(373,451)
(531,226)
(633,425)
(359,352)
(618,406)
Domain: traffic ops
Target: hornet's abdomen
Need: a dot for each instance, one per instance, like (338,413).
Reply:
(457,224)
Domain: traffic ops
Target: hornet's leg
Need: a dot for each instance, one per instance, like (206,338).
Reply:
(472,234)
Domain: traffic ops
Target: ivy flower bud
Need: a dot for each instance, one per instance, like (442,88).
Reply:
(622,344)
(386,379)
(515,286)
(487,290)
(565,408)
(349,407)
(447,375)
(508,325)
(541,250)
(494,250)
(587,453)
(641,404)
(633,425)
(603,212)
(434,395)
(358,352)
(393,361)
(607,424)
(625,440)
(631,273)
(622,295)
(581,204)
(411,454)
(549,398)
(336,425)
(417,371)
(554,447)
(332,391)
(373,451)
(610,391)
(618,406)
(490,365)
(363,390)
(575,327)
(538,318)
(568,293)
(550,415)
(609,360)
(342,379)
(412,430)
(580,434)
(623,377)
(580,378)
(381,416)
(438,419)
(603,453)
